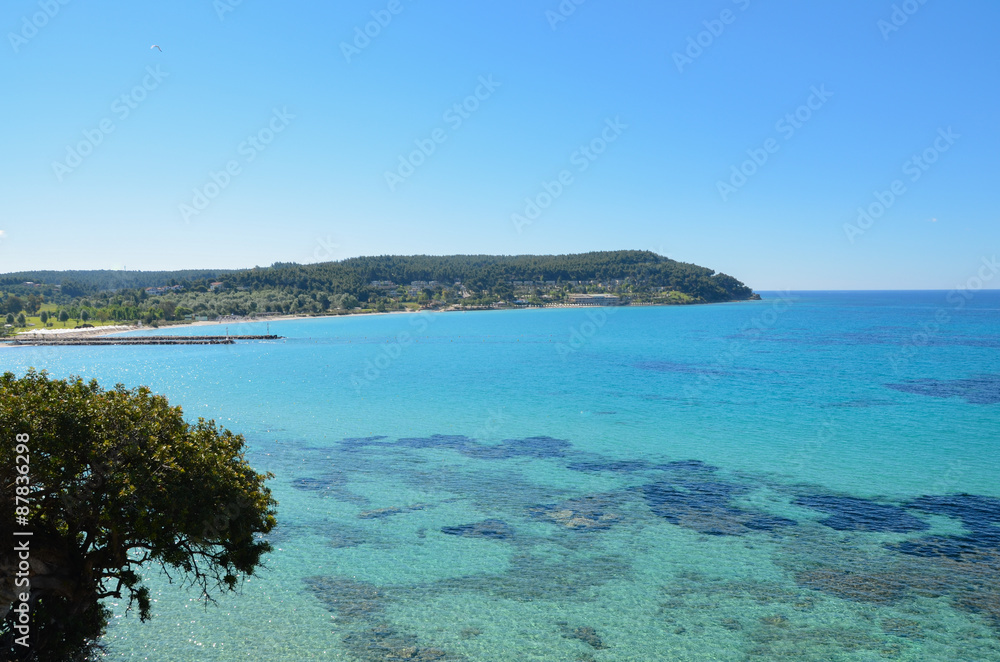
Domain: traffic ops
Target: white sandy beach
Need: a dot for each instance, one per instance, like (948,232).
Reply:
(94,331)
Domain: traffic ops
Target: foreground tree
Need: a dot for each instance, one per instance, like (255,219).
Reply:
(119,482)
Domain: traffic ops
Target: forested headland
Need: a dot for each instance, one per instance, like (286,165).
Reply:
(361,284)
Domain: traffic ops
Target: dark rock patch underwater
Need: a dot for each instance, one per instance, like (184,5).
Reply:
(384,643)
(333,485)
(978,390)
(567,574)
(361,604)
(349,599)
(979,513)
(595,512)
(382,513)
(856,514)
(872,587)
(531,447)
(585,633)
(492,529)
(597,466)
(687,469)
(705,506)
(959,548)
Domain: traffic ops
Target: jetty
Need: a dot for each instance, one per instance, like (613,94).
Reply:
(133,340)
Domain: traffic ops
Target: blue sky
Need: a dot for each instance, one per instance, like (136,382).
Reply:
(612,118)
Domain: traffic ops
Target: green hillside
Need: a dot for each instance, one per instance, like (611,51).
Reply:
(369,283)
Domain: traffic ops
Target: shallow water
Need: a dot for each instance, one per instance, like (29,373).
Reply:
(749,481)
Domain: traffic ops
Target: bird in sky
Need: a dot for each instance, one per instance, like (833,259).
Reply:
(156,47)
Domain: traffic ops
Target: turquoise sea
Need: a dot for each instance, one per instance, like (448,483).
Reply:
(813,476)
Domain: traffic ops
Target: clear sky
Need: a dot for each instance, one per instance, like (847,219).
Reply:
(105,140)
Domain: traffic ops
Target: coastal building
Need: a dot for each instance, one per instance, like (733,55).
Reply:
(152,291)
(594,299)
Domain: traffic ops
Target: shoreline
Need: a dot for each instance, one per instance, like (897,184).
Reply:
(111,330)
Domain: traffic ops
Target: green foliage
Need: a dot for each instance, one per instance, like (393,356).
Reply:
(120,482)
(492,274)
(13,304)
(33,303)
(84,283)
